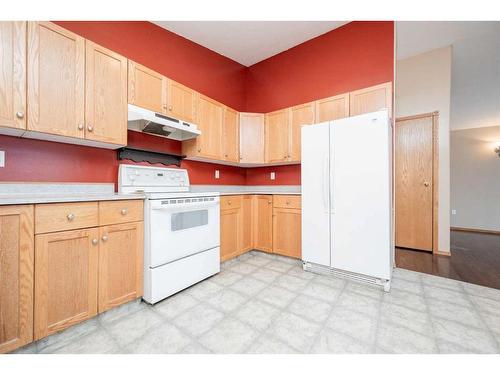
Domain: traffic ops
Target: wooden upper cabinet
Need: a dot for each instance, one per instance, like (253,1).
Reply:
(181,102)
(120,264)
(230,136)
(13,76)
(277,136)
(105,95)
(371,99)
(263,222)
(71,296)
(300,115)
(16,276)
(147,88)
(252,138)
(209,121)
(332,108)
(56,80)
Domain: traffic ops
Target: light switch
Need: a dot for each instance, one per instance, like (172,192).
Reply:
(2,159)
(273,175)
(217,174)
(453,212)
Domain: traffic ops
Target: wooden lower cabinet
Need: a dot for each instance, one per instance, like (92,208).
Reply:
(229,233)
(287,236)
(263,222)
(16,276)
(246,226)
(120,264)
(65,279)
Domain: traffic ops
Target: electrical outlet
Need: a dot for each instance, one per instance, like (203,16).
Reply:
(273,176)
(217,174)
(2,159)
(453,212)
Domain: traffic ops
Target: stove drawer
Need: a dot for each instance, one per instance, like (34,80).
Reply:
(117,212)
(56,217)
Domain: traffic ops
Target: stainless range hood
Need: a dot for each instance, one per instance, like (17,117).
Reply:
(146,121)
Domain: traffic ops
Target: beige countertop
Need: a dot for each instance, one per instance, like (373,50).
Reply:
(48,198)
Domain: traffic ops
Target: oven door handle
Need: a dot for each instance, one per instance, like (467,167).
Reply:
(183,206)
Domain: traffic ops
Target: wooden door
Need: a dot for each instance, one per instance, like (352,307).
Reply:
(371,99)
(147,88)
(287,234)
(181,102)
(105,95)
(13,77)
(299,115)
(120,264)
(65,279)
(252,138)
(263,223)
(16,276)
(56,80)
(230,136)
(414,183)
(229,233)
(210,118)
(277,136)
(246,226)
(332,108)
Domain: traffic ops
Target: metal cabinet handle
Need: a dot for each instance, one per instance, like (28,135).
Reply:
(426,184)
(70,217)
(287,202)
(104,238)
(170,108)
(95,241)
(90,128)
(124,211)
(229,202)
(269,202)
(20,115)
(80,127)
(199,150)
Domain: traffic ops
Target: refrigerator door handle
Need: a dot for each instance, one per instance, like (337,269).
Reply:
(325,183)
(330,173)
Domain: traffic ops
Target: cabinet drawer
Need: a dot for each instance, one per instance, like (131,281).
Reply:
(230,201)
(56,217)
(287,201)
(117,212)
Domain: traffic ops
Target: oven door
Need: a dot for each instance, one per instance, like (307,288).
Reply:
(183,227)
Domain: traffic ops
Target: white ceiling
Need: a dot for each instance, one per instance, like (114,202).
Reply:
(416,37)
(249,42)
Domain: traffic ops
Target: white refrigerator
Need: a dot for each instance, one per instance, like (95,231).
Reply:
(347,198)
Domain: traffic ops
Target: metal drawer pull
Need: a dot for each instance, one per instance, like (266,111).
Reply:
(95,241)
(104,238)
(70,217)
(20,115)
(90,128)
(124,211)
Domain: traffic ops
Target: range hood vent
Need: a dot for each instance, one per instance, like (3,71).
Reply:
(146,121)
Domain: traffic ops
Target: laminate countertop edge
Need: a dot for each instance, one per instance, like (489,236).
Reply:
(41,199)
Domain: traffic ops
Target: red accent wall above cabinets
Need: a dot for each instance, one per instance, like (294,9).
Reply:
(176,57)
(356,55)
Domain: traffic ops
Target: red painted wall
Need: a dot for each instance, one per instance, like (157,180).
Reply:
(356,55)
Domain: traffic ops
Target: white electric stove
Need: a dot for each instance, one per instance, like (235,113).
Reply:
(181,229)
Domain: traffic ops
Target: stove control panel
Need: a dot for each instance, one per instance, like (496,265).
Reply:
(150,179)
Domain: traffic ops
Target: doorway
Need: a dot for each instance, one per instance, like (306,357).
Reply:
(416,182)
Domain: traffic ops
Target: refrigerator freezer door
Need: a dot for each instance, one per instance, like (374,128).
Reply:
(315,194)
(361,195)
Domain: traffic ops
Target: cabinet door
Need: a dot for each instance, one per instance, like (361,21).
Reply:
(246,223)
(13,77)
(181,102)
(287,237)
(65,279)
(56,80)
(210,117)
(147,88)
(277,137)
(229,233)
(299,115)
(105,95)
(16,276)
(120,264)
(371,99)
(332,108)
(252,138)
(263,222)
(230,136)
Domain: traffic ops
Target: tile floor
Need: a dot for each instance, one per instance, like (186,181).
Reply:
(262,303)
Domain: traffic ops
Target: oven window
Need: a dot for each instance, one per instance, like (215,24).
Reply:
(190,219)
